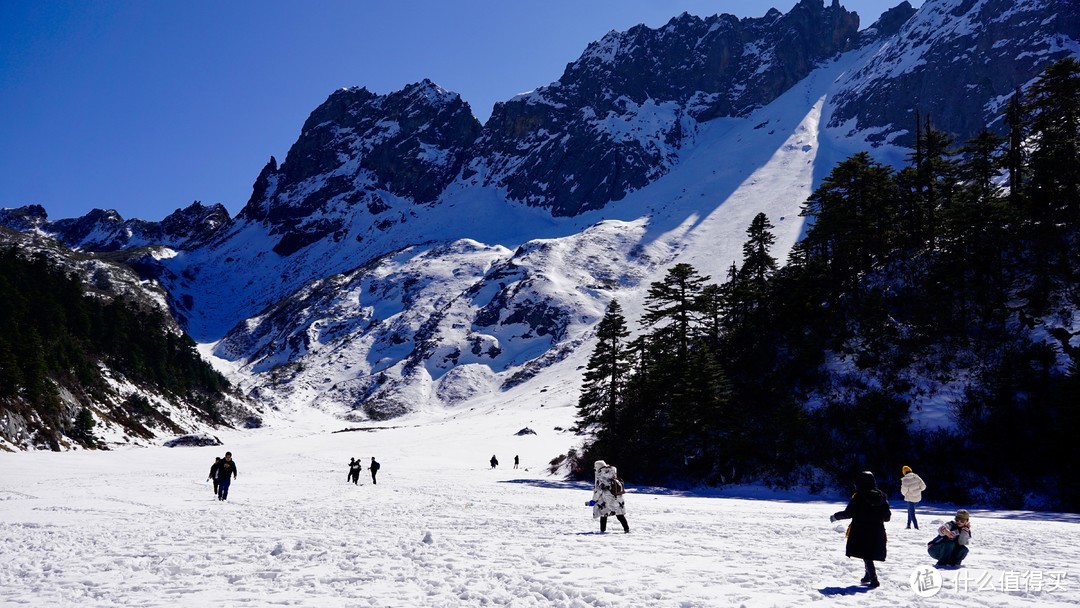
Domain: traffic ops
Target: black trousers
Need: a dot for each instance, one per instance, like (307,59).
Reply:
(621,518)
(871,570)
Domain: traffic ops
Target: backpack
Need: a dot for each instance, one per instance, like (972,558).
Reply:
(617,488)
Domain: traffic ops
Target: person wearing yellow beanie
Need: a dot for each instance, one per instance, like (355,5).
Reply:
(911,487)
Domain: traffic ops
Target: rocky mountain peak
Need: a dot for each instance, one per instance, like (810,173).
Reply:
(24,218)
(618,115)
(957,61)
(410,143)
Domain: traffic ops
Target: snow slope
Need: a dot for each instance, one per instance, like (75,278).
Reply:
(140,527)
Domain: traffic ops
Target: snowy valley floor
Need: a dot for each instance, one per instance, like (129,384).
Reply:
(139,527)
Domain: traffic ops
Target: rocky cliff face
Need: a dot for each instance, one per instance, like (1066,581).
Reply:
(105,230)
(410,143)
(618,116)
(956,62)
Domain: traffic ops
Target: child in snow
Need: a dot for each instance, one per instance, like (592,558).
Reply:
(911,488)
(868,512)
(951,545)
(494,461)
(605,501)
(354,471)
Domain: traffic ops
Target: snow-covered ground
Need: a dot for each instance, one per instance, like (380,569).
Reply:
(140,527)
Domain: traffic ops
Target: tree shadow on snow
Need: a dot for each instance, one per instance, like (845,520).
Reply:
(552,484)
(739,492)
(849,590)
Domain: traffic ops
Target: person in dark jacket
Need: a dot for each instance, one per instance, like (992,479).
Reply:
(226,473)
(868,511)
(213,473)
(494,461)
(354,471)
(374,469)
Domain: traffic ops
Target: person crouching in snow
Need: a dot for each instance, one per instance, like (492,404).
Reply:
(607,499)
(868,511)
(951,545)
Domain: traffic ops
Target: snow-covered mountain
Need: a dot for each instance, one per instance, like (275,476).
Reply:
(124,409)
(403,257)
(105,230)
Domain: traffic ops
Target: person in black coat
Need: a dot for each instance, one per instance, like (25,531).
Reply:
(354,471)
(226,473)
(213,473)
(374,469)
(868,512)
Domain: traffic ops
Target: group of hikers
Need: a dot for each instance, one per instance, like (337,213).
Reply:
(355,468)
(494,462)
(868,511)
(223,471)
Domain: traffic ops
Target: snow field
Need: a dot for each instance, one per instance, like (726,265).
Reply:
(139,527)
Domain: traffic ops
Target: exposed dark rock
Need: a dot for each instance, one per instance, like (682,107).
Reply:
(190,441)
(615,119)
(955,63)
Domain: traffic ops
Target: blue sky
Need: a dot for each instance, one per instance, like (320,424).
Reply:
(145,106)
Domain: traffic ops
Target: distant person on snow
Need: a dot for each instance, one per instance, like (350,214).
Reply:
(226,473)
(911,488)
(494,461)
(607,499)
(516,461)
(951,545)
(868,511)
(354,471)
(213,473)
(374,469)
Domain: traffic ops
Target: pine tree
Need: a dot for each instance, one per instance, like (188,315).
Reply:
(1054,107)
(83,427)
(672,308)
(758,266)
(851,214)
(1015,158)
(606,373)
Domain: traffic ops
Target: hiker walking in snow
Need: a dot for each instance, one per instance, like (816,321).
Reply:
(226,473)
(951,545)
(374,469)
(516,461)
(494,461)
(354,471)
(911,488)
(868,511)
(608,496)
(213,473)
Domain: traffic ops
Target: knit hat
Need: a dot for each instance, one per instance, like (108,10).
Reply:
(599,464)
(905,470)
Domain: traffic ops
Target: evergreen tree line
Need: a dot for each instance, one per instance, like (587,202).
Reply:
(954,276)
(52,332)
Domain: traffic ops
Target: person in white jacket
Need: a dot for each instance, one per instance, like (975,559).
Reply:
(606,501)
(911,487)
